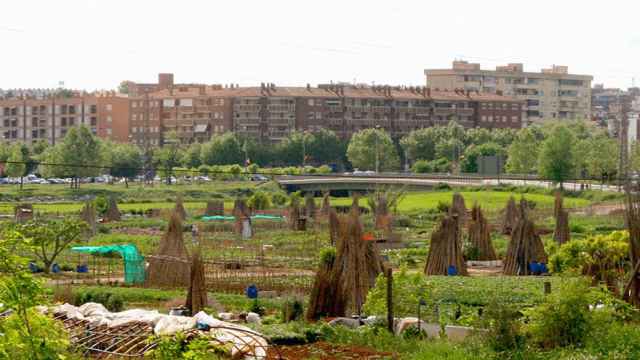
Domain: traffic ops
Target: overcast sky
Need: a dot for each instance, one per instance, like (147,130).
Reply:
(94,44)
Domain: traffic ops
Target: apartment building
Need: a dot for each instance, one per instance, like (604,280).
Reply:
(271,113)
(49,118)
(550,94)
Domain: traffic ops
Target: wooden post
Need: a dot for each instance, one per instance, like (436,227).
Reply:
(547,287)
(390,299)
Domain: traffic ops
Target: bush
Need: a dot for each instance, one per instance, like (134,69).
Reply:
(563,319)
(422,167)
(502,321)
(324,169)
(112,302)
(292,310)
(47,339)
(402,221)
(259,201)
(279,199)
(101,205)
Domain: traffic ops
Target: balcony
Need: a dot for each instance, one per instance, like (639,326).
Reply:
(381,109)
(281,108)
(444,111)
(465,112)
(246,108)
(335,108)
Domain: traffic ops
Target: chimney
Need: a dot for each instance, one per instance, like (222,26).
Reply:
(261,86)
(308,87)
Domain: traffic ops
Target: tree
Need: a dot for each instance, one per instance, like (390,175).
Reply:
(324,147)
(18,161)
(50,238)
(191,157)
(126,161)
(421,144)
(168,157)
(293,149)
(556,161)
(471,154)
(39,147)
(603,157)
(79,149)
(123,88)
(222,150)
(367,145)
(523,153)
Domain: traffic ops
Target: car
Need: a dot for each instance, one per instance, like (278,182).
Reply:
(258,177)
(4,181)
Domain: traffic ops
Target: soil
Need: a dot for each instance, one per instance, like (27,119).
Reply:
(326,351)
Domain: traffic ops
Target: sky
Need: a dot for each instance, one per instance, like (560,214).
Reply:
(95,44)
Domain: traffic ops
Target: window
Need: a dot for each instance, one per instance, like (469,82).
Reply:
(109,118)
(72,121)
(108,107)
(63,121)
(310,102)
(63,109)
(318,115)
(6,123)
(34,134)
(94,121)
(484,118)
(186,102)
(108,131)
(168,102)
(34,122)
(93,109)
(72,109)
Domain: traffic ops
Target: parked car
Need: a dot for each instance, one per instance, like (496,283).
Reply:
(258,177)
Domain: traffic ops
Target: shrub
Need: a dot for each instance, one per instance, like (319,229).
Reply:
(113,302)
(502,321)
(422,167)
(402,221)
(324,169)
(101,204)
(257,308)
(292,310)
(45,338)
(259,201)
(563,319)
(279,199)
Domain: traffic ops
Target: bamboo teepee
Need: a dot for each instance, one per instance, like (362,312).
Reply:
(295,213)
(631,292)
(445,250)
(197,295)
(326,204)
(334,226)
(179,209)
(88,215)
(214,208)
(480,235)
(309,206)
(510,217)
(326,298)
(240,212)
(525,246)
(113,213)
(561,233)
(170,265)
(459,208)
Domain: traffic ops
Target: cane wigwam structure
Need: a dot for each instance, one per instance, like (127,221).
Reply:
(561,234)
(326,298)
(510,216)
(179,209)
(197,295)
(240,212)
(309,206)
(88,215)
(525,247)
(295,214)
(113,213)
(459,208)
(170,266)
(214,208)
(480,236)
(326,204)
(631,292)
(445,251)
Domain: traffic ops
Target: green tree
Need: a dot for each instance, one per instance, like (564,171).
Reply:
(39,147)
(603,157)
(222,150)
(17,164)
(50,238)
(556,161)
(471,154)
(80,150)
(126,161)
(478,136)
(191,158)
(168,157)
(325,147)
(123,88)
(523,153)
(370,144)
(293,149)
(421,144)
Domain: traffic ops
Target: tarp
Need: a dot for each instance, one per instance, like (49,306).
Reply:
(255,217)
(133,260)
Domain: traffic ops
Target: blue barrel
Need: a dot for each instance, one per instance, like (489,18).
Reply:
(82,268)
(452,270)
(252,292)
(55,268)
(534,267)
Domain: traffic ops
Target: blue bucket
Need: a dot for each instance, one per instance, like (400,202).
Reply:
(452,270)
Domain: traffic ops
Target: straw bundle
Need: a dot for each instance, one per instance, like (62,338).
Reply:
(525,246)
(459,208)
(326,204)
(480,235)
(326,298)
(179,209)
(334,225)
(445,250)
(309,206)
(88,215)
(240,212)
(561,233)
(294,213)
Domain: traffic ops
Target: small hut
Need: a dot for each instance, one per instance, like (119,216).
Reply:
(113,213)
(561,234)
(480,236)
(445,251)
(525,248)
(179,209)
(197,295)
(170,265)
(214,208)
(23,213)
(88,215)
(510,217)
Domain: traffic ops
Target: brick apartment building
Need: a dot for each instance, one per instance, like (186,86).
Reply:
(49,118)
(271,113)
(550,94)
(266,112)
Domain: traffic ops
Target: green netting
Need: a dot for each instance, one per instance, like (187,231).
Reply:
(133,260)
(255,217)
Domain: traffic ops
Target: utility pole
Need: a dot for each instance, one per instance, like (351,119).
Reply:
(623,128)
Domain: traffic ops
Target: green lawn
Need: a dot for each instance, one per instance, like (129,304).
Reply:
(489,200)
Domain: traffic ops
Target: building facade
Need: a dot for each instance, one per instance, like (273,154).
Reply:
(49,118)
(550,94)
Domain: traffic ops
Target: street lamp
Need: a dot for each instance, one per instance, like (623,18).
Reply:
(377,150)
